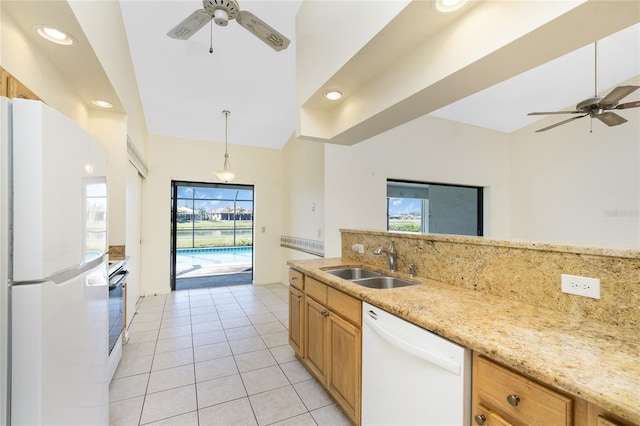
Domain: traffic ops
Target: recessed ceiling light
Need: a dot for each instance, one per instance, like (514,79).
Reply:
(102,104)
(55,35)
(446,6)
(333,95)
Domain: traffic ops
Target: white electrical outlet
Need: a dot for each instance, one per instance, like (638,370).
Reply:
(358,248)
(581,286)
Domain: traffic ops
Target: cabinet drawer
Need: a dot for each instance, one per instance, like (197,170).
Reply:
(316,289)
(345,305)
(485,417)
(518,398)
(296,279)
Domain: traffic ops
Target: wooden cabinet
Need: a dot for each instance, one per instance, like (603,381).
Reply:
(296,312)
(486,417)
(596,416)
(332,342)
(345,364)
(315,332)
(503,397)
(11,87)
(296,321)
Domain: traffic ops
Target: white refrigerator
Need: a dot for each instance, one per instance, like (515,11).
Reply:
(53,297)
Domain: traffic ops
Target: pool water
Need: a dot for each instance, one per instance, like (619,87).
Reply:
(214,256)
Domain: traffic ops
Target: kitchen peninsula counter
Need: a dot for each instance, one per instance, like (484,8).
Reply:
(585,358)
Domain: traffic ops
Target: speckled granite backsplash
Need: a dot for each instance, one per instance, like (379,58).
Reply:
(527,272)
(116,252)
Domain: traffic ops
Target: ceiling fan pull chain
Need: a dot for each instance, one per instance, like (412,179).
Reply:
(211,37)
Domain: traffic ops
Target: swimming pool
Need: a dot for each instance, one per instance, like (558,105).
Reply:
(214,256)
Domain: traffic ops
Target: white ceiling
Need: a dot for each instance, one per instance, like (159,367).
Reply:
(557,85)
(184,88)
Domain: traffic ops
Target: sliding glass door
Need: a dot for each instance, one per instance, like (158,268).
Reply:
(211,234)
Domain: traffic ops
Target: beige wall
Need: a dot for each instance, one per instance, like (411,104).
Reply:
(196,160)
(565,186)
(100,18)
(23,59)
(303,196)
(571,185)
(427,149)
(111,130)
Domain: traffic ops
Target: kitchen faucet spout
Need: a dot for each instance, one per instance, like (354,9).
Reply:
(392,255)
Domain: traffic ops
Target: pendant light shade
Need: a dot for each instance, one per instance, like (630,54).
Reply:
(226,175)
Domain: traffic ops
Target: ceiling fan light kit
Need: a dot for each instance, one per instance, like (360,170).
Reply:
(223,11)
(598,107)
(226,175)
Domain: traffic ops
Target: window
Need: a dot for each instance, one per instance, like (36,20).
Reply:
(423,207)
(213,215)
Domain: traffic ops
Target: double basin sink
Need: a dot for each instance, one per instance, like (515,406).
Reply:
(368,278)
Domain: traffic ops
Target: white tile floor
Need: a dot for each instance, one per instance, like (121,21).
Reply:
(216,356)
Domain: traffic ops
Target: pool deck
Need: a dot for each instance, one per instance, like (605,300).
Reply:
(203,271)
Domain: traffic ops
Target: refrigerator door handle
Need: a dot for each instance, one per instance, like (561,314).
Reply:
(67,274)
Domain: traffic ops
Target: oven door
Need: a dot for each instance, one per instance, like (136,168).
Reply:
(116,307)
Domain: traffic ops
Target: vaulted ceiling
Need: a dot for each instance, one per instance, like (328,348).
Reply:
(183,88)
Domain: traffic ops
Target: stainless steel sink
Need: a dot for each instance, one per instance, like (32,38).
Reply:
(383,282)
(353,273)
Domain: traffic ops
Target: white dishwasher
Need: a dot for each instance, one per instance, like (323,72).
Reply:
(411,376)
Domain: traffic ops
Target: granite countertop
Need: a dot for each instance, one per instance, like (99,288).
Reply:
(597,362)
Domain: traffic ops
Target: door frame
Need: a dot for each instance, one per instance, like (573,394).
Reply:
(175,184)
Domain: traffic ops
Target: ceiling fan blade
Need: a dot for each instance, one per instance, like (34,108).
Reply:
(262,30)
(616,94)
(611,119)
(556,112)
(560,123)
(634,104)
(190,25)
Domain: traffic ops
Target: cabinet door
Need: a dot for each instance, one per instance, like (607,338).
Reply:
(315,331)
(296,320)
(345,365)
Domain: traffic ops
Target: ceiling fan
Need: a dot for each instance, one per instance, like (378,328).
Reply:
(221,12)
(598,107)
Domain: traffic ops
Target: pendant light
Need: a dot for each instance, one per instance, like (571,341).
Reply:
(226,175)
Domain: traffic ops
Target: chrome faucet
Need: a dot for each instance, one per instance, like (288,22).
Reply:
(391,253)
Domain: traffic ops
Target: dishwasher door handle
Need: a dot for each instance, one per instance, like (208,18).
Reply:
(405,346)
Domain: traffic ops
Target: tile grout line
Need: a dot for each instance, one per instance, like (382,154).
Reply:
(246,302)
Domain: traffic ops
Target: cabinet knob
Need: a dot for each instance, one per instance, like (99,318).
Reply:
(480,419)
(325,314)
(513,400)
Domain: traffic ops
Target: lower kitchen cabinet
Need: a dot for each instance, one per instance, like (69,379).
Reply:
(315,333)
(296,322)
(345,364)
(504,397)
(596,416)
(332,342)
